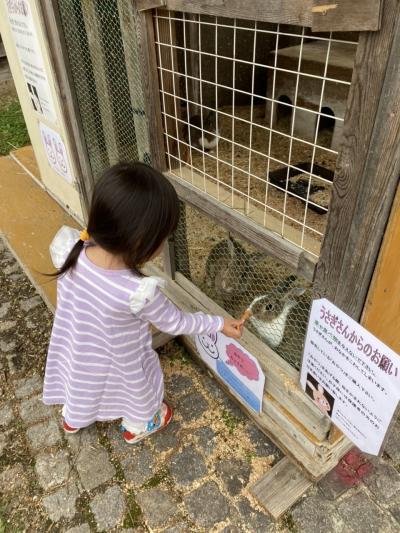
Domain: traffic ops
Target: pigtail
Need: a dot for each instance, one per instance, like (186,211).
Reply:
(70,261)
(72,258)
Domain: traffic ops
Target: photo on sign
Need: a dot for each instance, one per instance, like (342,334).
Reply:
(34,98)
(322,399)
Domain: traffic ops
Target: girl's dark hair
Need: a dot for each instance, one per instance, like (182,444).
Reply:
(134,209)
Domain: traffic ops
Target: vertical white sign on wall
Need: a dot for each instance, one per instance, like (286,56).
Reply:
(30,57)
(350,375)
(56,153)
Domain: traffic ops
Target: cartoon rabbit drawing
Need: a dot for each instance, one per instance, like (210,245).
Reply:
(61,158)
(49,148)
(319,397)
(270,311)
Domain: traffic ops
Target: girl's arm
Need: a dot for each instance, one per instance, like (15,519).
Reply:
(166,317)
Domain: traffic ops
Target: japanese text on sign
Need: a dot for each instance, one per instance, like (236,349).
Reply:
(350,375)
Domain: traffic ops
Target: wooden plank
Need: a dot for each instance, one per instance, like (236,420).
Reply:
(133,71)
(169,265)
(193,38)
(297,12)
(265,240)
(382,310)
(282,379)
(346,15)
(379,183)
(334,434)
(280,487)
(144,5)
(160,339)
(367,169)
(165,33)
(70,108)
(150,86)
(147,53)
(99,62)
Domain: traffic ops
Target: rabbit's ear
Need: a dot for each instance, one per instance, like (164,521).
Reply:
(311,385)
(320,389)
(294,292)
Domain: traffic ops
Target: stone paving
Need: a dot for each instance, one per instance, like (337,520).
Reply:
(192,477)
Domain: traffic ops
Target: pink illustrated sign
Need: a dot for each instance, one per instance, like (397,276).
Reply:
(244,364)
(235,366)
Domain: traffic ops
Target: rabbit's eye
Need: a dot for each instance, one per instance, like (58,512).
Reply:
(268,307)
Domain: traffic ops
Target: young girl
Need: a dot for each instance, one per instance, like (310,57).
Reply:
(101,365)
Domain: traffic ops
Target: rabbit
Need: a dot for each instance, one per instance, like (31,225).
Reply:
(228,270)
(206,137)
(270,312)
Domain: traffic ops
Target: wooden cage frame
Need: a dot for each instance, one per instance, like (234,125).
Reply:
(364,186)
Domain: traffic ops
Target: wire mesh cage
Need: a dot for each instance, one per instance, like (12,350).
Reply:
(236,276)
(102,46)
(253,114)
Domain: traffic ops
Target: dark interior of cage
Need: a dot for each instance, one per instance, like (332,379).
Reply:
(276,98)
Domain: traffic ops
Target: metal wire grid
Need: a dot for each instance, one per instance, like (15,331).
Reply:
(101,41)
(234,275)
(263,183)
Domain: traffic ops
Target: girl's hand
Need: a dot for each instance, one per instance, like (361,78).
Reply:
(233,328)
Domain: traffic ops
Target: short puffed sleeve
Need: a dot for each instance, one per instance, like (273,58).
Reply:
(62,244)
(144,293)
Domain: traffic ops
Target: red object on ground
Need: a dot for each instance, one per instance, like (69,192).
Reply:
(352,468)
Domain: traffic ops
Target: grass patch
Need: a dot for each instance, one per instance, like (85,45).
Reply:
(156,480)
(13,132)
(133,517)
(231,421)
(105,442)
(8,525)
(288,522)
(249,456)
(84,512)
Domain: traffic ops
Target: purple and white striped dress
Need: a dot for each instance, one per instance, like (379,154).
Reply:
(100,364)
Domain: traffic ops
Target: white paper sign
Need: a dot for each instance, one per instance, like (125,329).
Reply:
(30,57)
(350,375)
(236,367)
(55,151)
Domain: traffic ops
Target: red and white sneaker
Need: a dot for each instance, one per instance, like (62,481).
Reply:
(69,429)
(159,421)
